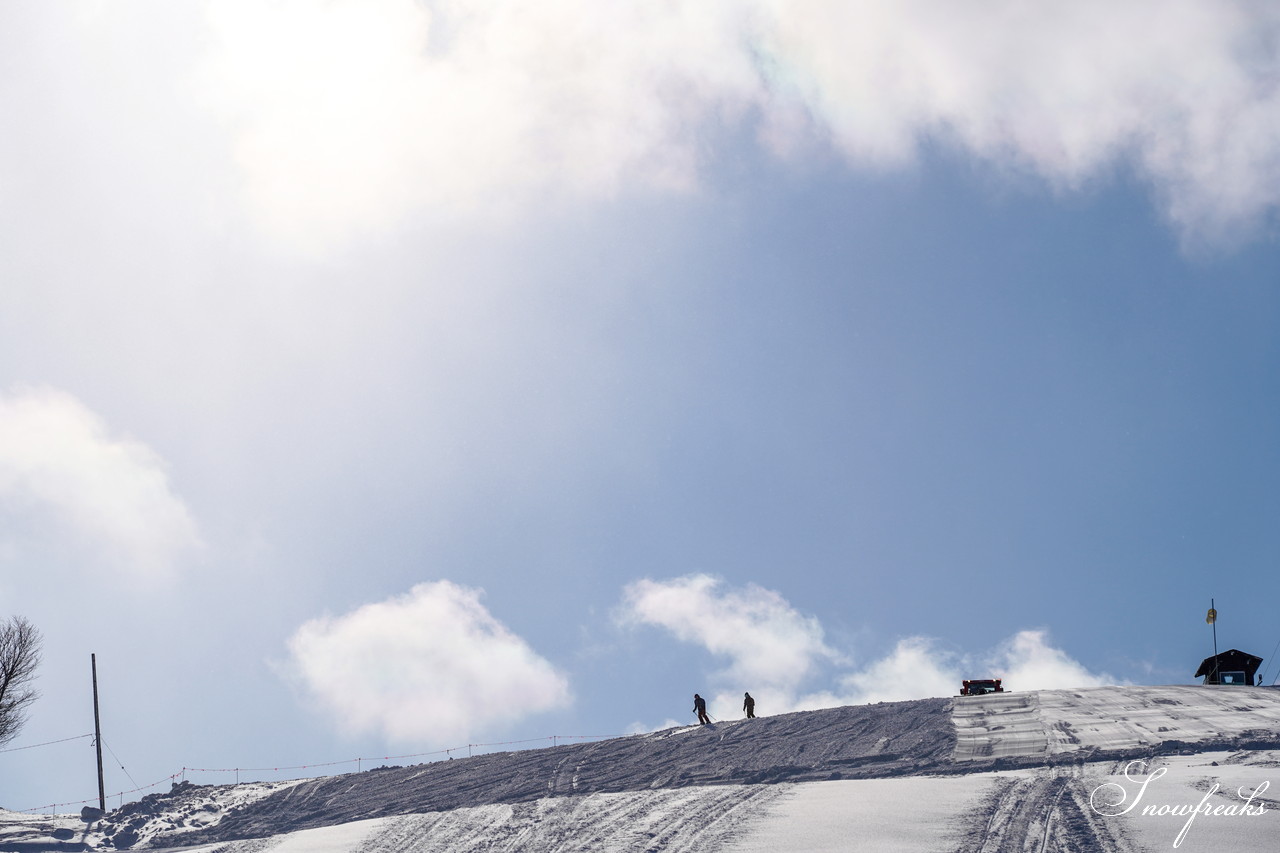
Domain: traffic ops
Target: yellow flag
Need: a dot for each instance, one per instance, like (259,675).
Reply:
(1211,616)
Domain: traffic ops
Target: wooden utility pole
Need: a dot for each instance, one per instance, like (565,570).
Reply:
(97,734)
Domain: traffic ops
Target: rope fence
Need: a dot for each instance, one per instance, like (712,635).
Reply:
(93,800)
(46,743)
(359,762)
(181,775)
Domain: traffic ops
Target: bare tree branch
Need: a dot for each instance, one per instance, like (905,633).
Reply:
(20,645)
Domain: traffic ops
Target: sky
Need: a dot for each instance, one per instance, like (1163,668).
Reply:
(379,378)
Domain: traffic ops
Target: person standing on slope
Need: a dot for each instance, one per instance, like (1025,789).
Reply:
(700,708)
(749,705)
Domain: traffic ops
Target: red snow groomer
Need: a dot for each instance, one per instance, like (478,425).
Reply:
(980,686)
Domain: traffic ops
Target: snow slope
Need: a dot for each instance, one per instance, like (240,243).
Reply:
(1017,771)
(1053,722)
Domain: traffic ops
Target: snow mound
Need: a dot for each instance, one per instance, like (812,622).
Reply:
(186,808)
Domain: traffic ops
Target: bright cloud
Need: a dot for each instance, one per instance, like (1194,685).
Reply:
(348,116)
(430,666)
(916,668)
(765,639)
(774,650)
(1027,660)
(57,458)
(919,667)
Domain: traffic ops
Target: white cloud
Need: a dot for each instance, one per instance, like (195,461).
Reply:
(1028,661)
(916,668)
(430,666)
(56,457)
(642,728)
(773,651)
(919,667)
(349,116)
(765,639)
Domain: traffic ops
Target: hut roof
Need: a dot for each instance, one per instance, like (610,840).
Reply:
(1230,660)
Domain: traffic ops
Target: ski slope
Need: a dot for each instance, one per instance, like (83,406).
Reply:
(1008,772)
(1042,724)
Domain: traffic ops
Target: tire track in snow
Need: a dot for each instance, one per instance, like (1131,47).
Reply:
(1046,811)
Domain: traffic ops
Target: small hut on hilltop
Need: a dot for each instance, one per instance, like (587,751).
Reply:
(1230,667)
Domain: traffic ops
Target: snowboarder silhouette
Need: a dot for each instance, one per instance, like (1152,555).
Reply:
(700,708)
(749,705)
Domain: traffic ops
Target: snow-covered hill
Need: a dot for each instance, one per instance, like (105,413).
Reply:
(1015,771)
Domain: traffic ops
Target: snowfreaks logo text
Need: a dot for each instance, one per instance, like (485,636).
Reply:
(1110,799)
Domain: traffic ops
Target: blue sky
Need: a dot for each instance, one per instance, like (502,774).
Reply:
(378,378)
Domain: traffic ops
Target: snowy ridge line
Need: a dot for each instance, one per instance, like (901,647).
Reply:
(182,774)
(46,743)
(849,742)
(729,786)
(553,738)
(879,741)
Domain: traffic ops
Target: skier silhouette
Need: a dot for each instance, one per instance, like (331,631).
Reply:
(700,708)
(749,705)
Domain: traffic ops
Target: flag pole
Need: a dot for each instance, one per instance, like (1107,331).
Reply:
(1213,620)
